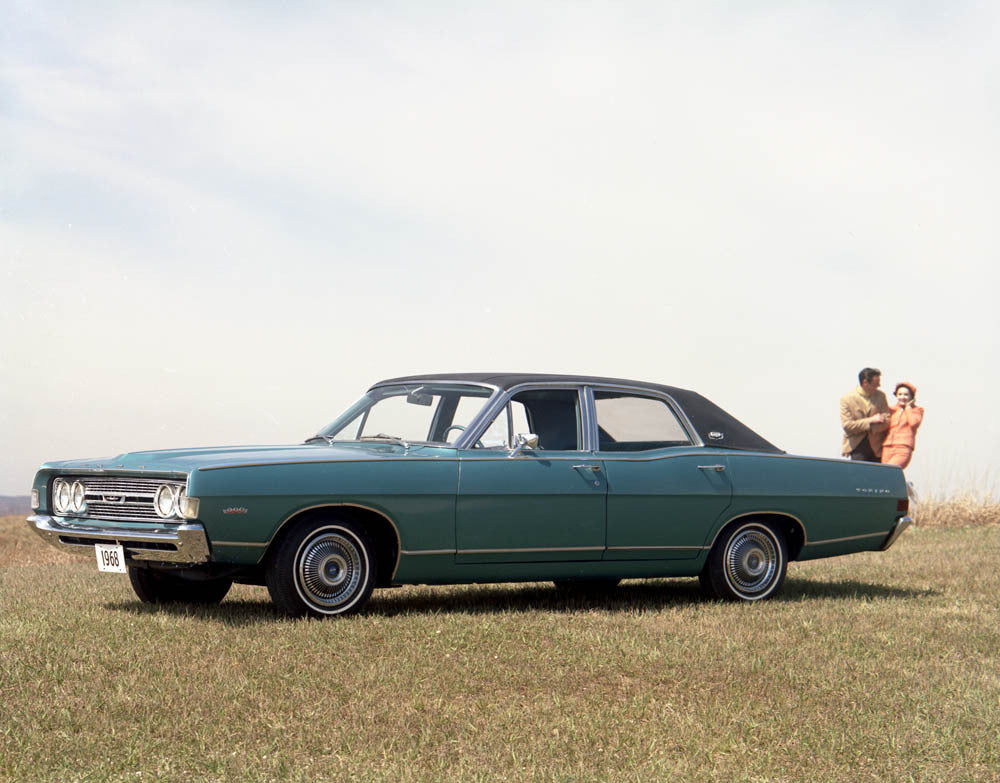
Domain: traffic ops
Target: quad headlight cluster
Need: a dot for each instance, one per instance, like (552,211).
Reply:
(69,497)
(172,501)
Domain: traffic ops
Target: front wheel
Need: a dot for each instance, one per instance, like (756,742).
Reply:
(747,563)
(162,587)
(322,568)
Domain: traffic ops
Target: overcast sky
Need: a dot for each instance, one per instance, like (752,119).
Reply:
(220,222)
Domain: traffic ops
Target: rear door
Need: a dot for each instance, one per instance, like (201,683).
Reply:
(664,491)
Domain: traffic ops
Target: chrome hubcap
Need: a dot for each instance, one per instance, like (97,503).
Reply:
(330,569)
(752,561)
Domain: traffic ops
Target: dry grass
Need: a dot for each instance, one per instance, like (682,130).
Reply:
(873,667)
(962,511)
(20,546)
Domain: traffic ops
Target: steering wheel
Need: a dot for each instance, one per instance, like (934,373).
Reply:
(458,427)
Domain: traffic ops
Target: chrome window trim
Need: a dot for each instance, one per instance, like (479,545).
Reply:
(807,457)
(640,391)
(488,400)
(604,456)
(479,425)
(590,420)
(455,381)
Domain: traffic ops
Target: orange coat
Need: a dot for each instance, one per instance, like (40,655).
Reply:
(903,425)
(902,435)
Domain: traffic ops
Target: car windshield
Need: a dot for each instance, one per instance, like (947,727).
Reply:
(410,413)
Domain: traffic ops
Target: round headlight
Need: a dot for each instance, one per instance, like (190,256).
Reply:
(61,496)
(165,501)
(79,496)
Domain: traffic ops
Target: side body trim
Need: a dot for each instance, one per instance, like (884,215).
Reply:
(530,549)
(685,548)
(881,534)
(328,462)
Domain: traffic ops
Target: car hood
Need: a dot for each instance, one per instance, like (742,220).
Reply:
(188,460)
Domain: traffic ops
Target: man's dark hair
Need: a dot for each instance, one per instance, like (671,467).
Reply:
(867,374)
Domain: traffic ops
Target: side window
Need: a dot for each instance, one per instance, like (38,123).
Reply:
(511,421)
(627,422)
(553,415)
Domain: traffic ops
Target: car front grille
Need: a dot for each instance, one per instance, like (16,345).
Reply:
(122,498)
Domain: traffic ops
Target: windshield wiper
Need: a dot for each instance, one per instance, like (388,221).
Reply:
(383,436)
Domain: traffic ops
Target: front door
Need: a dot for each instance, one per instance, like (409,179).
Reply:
(544,504)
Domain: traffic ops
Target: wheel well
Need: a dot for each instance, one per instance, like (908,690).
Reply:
(790,527)
(382,531)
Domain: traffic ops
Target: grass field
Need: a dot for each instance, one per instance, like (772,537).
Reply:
(872,667)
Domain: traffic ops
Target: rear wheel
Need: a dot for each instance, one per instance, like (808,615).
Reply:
(322,568)
(747,563)
(162,587)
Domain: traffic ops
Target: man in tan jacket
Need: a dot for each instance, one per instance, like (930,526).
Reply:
(864,415)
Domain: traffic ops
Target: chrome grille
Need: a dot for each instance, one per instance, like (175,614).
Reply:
(122,498)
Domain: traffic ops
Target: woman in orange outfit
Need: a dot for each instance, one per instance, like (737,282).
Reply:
(906,418)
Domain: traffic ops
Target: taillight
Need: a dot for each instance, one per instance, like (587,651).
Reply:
(902,506)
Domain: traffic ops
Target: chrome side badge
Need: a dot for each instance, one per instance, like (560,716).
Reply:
(234,510)
(715,435)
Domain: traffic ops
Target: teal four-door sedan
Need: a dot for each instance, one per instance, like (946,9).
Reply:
(443,479)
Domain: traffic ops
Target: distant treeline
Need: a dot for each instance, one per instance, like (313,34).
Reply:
(14,504)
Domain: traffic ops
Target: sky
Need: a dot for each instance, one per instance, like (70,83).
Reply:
(221,222)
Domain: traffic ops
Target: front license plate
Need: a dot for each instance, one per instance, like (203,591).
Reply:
(110,557)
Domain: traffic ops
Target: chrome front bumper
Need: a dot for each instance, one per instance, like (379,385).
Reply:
(901,525)
(176,544)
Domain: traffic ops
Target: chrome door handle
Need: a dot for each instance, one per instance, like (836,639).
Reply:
(716,468)
(595,468)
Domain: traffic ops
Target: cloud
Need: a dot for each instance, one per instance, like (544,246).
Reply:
(283,205)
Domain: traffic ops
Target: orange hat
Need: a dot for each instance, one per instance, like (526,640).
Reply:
(908,385)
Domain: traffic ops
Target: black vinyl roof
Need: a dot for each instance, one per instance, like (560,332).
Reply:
(715,426)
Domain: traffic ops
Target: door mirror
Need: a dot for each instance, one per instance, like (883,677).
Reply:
(523,441)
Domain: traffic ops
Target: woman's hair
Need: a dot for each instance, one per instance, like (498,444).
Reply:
(910,386)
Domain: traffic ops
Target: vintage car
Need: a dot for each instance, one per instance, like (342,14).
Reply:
(444,479)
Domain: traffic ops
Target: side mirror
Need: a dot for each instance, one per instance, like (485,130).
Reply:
(522,441)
